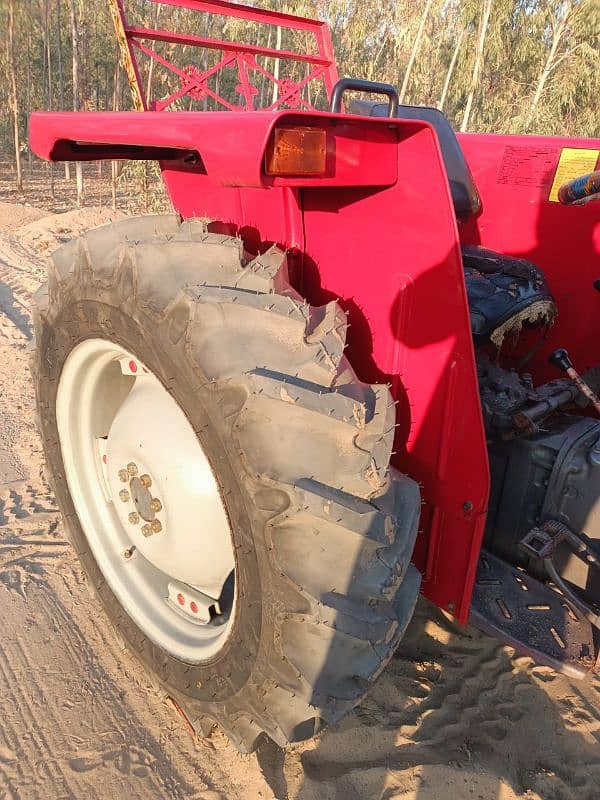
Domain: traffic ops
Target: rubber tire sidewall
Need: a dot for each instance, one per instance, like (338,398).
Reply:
(227,672)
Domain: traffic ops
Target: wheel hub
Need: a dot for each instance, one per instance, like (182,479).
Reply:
(166,467)
(147,499)
(146,506)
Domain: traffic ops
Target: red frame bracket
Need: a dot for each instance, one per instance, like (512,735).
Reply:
(239,56)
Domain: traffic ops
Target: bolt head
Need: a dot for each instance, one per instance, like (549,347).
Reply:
(134,518)
(132,468)
(146,481)
(156,526)
(123,475)
(124,495)
(155,505)
(147,530)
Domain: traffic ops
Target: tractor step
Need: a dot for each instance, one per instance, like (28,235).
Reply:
(531,617)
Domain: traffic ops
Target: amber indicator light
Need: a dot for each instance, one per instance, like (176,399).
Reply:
(296,151)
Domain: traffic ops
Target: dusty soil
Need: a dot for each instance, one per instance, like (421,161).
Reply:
(139,189)
(455,715)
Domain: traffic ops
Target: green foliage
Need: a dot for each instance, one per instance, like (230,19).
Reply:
(372,38)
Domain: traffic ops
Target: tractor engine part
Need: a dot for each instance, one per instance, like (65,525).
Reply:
(510,403)
(542,543)
(560,358)
(552,475)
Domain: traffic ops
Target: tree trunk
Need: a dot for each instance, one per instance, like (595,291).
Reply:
(548,65)
(61,74)
(415,50)
(450,71)
(46,26)
(263,77)
(28,98)
(114,165)
(75,39)
(152,61)
(485,18)
(276,66)
(14,98)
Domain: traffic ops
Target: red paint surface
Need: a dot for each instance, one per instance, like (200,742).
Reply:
(392,257)
(514,175)
(239,56)
(390,254)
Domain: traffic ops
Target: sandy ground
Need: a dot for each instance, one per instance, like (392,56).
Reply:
(455,715)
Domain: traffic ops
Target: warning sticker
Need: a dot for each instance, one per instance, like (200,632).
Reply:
(573,163)
(528,166)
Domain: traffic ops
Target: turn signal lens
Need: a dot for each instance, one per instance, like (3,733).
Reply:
(296,151)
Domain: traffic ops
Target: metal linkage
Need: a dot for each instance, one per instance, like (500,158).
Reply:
(560,359)
(541,543)
(237,56)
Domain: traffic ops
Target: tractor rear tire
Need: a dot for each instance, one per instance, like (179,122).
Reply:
(322,527)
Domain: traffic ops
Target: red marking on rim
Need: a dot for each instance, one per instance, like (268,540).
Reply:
(133,366)
(181,599)
(193,607)
(104,458)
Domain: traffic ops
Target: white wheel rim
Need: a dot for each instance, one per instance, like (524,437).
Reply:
(147,500)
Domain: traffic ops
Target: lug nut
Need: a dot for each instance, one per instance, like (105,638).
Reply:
(146,481)
(155,505)
(124,495)
(156,526)
(147,530)
(123,475)
(134,518)
(132,468)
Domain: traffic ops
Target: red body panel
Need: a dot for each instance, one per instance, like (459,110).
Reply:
(216,141)
(392,257)
(514,175)
(378,231)
(388,250)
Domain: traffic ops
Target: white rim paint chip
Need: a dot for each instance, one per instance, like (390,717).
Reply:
(147,500)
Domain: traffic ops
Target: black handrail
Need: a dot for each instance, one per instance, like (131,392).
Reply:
(357,85)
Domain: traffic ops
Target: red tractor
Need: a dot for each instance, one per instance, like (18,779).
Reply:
(329,379)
